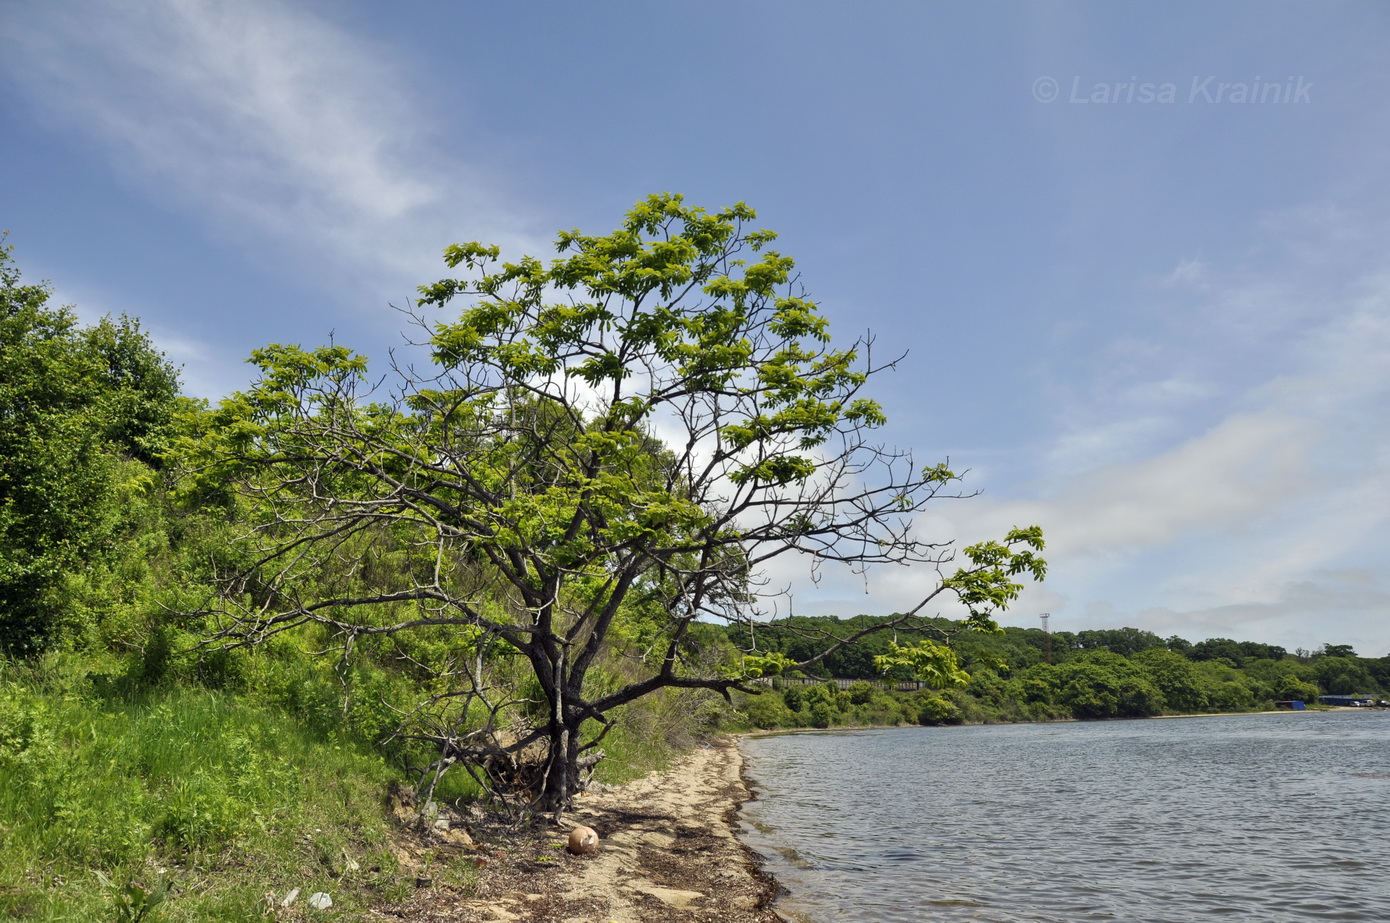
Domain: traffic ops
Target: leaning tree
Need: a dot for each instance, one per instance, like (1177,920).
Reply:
(613,443)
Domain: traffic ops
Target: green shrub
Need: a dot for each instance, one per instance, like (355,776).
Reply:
(767,711)
(861,692)
(880,709)
(936,710)
(822,714)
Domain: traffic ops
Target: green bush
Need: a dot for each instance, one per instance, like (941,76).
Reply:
(880,709)
(822,714)
(936,710)
(767,711)
(1102,684)
(862,693)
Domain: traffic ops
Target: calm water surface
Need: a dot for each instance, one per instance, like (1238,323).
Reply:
(1270,818)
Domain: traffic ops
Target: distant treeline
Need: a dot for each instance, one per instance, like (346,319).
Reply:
(1025,674)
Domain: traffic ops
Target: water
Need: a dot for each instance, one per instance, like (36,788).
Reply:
(1271,818)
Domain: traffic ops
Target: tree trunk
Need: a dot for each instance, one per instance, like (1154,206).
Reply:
(562,771)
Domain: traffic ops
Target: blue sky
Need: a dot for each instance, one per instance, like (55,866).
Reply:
(1160,329)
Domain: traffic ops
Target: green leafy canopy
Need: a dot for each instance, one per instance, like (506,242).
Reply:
(605,449)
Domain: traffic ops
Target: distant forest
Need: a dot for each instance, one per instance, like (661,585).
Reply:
(1024,674)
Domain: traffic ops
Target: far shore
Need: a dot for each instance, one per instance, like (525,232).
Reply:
(1320,709)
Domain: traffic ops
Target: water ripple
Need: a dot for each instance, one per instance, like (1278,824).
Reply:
(1276,819)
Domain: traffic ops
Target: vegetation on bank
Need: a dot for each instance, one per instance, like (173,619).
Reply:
(211,793)
(224,792)
(1027,675)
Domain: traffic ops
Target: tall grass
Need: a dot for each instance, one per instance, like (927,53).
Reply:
(231,778)
(227,798)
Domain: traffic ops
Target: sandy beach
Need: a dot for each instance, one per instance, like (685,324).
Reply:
(668,853)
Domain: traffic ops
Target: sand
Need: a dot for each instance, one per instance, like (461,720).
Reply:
(667,853)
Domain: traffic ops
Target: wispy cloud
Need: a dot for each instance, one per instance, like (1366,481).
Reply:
(1360,598)
(276,130)
(1268,521)
(1253,524)
(1190,273)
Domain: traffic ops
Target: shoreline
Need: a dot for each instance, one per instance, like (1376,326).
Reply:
(668,853)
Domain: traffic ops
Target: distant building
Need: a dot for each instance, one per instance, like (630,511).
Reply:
(1347,700)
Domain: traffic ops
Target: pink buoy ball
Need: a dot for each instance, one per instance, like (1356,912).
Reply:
(583,841)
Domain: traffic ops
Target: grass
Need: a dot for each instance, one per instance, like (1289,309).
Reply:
(111,791)
(228,780)
(224,798)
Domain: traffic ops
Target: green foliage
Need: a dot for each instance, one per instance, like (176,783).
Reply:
(1101,684)
(236,799)
(134,904)
(1038,684)
(861,693)
(1223,649)
(1177,679)
(1092,677)
(1226,687)
(768,711)
(1342,675)
(755,666)
(825,639)
(136,390)
(522,496)
(936,710)
(1124,641)
(1287,679)
(988,584)
(929,661)
(73,403)
(54,478)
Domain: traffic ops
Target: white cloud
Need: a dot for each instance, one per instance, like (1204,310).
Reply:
(1188,273)
(1326,607)
(1268,523)
(1216,480)
(263,122)
(1236,530)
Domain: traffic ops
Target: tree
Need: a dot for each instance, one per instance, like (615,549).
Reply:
(1226,687)
(1217,649)
(1284,678)
(1176,677)
(1379,670)
(929,661)
(1102,684)
(1123,641)
(72,400)
(135,388)
(524,478)
(1177,644)
(1342,675)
